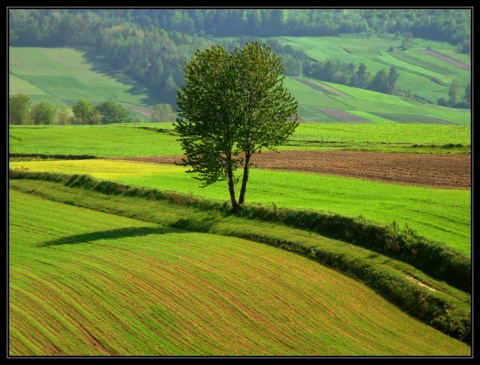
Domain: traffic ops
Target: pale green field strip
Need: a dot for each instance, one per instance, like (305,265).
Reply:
(387,58)
(312,97)
(452,53)
(378,102)
(419,57)
(443,215)
(102,141)
(67,75)
(366,100)
(19,86)
(119,286)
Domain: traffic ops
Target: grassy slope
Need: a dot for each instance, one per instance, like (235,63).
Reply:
(368,104)
(64,75)
(24,142)
(203,295)
(415,68)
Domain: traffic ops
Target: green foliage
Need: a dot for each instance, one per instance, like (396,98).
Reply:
(113,112)
(85,113)
(43,113)
(60,27)
(232,104)
(63,116)
(19,109)
(162,113)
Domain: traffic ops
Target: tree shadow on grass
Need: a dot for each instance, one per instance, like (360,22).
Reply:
(110,235)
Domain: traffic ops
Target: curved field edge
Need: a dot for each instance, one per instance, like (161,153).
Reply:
(120,286)
(434,302)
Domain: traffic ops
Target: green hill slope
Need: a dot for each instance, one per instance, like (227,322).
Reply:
(427,69)
(64,75)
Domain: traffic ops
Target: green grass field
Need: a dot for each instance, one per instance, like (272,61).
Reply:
(89,283)
(416,69)
(160,139)
(64,75)
(439,214)
(100,275)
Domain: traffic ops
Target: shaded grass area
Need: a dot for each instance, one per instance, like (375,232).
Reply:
(446,308)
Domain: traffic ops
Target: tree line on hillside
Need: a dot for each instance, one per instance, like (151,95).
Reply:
(21,112)
(75,25)
(153,45)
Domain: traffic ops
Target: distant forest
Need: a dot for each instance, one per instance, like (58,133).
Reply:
(152,45)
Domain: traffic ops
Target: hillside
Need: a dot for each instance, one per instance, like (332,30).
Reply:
(63,75)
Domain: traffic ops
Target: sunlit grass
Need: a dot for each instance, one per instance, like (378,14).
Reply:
(93,284)
(145,140)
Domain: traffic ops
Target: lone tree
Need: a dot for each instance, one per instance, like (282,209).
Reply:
(232,105)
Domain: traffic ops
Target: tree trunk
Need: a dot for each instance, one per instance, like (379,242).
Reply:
(246,170)
(231,189)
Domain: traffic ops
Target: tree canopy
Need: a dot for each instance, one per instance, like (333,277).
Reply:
(232,105)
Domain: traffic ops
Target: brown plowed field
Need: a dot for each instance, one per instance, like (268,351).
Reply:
(431,170)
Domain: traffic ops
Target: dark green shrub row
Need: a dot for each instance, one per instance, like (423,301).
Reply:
(49,157)
(434,259)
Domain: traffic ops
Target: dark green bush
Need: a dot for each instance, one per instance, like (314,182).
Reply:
(49,157)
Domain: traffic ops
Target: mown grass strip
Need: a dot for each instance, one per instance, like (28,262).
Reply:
(445,309)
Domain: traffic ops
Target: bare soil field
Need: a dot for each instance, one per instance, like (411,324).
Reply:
(430,170)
